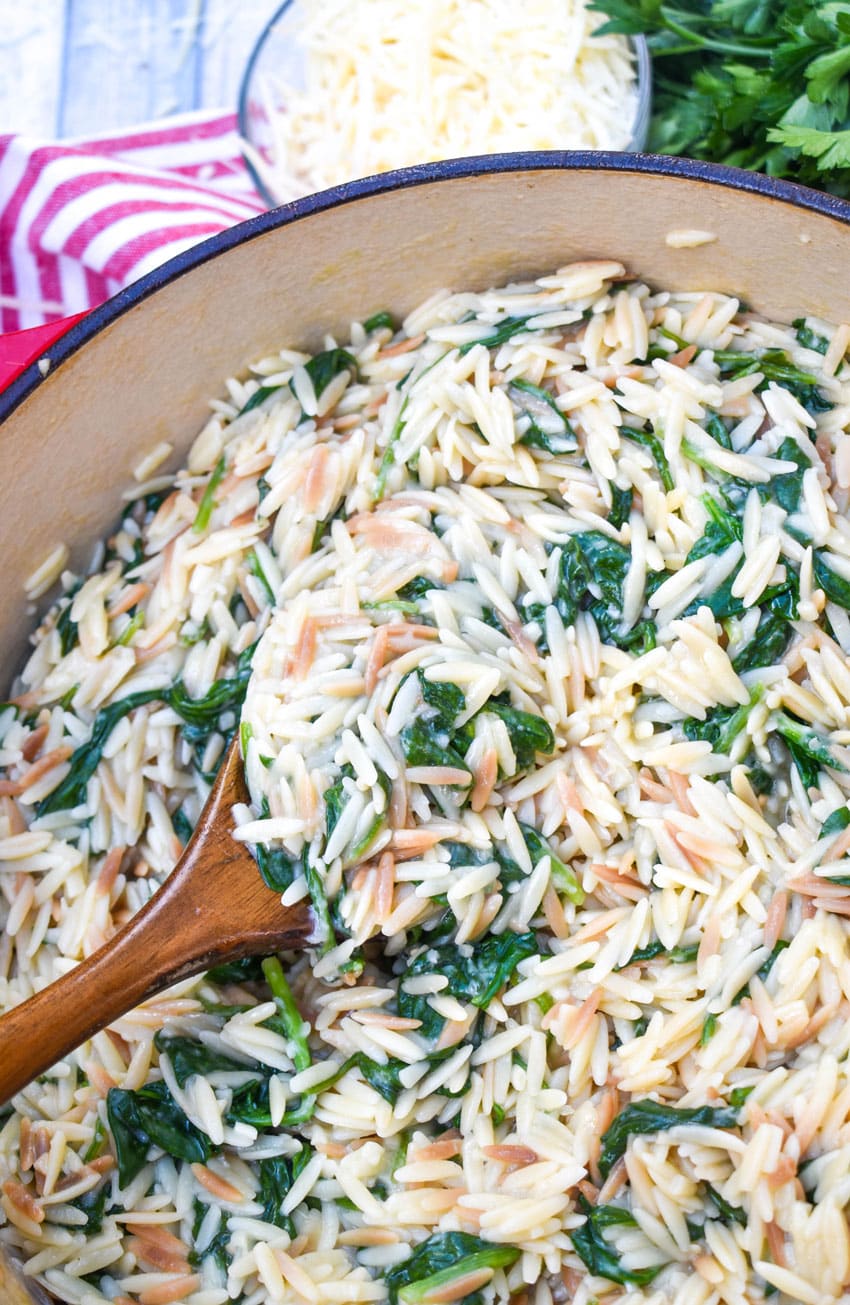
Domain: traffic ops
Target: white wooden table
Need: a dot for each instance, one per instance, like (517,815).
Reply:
(85,67)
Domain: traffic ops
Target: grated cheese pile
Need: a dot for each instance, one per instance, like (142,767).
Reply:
(382,84)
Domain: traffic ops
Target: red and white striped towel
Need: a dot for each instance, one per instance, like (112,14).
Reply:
(81,219)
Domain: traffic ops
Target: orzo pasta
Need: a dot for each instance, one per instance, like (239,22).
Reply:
(533,615)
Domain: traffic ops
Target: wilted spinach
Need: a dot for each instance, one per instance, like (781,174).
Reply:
(543,424)
(150,1117)
(563,877)
(643,1117)
(598,1254)
(440,1260)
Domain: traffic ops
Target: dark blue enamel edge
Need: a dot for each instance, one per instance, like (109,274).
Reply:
(423,174)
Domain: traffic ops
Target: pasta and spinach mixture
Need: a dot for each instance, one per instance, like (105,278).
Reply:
(532,616)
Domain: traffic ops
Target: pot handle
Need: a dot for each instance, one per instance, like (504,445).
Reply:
(19,348)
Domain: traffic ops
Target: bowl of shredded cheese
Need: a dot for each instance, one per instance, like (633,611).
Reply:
(336,90)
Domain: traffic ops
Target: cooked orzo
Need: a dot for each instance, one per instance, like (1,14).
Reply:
(532,614)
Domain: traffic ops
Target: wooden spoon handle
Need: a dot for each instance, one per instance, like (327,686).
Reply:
(213,907)
(136,963)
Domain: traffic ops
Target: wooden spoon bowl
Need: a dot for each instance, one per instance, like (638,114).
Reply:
(213,907)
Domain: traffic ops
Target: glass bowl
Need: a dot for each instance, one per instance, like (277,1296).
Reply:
(276,56)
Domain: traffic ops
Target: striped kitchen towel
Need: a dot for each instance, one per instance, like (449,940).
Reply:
(81,219)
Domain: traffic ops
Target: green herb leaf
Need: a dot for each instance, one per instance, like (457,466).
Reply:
(528,733)
(643,1117)
(649,440)
(599,1255)
(808,338)
(382,321)
(809,750)
(325,366)
(205,508)
(150,1118)
(475,977)
(540,420)
(188,1057)
(563,877)
(499,334)
(440,1260)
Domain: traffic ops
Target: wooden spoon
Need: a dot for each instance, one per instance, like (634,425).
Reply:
(14,1288)
(213,907)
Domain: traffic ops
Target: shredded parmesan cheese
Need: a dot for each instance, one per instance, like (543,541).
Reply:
(381,84)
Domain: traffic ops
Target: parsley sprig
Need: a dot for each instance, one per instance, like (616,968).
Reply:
(760,84)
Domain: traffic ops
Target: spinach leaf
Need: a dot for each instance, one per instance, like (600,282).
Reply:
(787,489)
(277,1174)
(475,978)
(259,396)
(93,1205)
(763,970)
(642,1117)
(461,854)
(336,799)
(774,365)
(680,955)
(810,751)
(382,321)
(598,1254)
(202,717)
(188,1057)
(226,694)
(288,1020)
(388,459)
(772,635)
(604,566)
(278,869)
(722,530)
(835,822)
(383,1078)
(728,1213)
(499,334)
(440,1260)
(205,508)
(289,1023)
(836,588)
(709,1028)
(71,792)
(321,907)
(621,505)
(255,566)
(528,733)
(216,1249)
(325,366)
(808,338)
(738,1096)
(562,875)
(445,700)
(247,970)
(150,1118)
(65,627)
(183,826)
(722,725)
(544,425)
(417,588)
(649,440)
(424,743)
(715,426)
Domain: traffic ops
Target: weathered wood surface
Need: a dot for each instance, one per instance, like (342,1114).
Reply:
(71,68)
